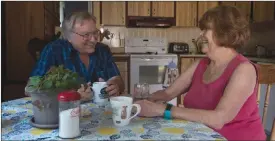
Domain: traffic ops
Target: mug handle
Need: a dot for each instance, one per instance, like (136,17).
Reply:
(138,110)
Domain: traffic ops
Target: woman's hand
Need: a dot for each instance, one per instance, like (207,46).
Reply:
(150,109)
(85,92)
(158,96)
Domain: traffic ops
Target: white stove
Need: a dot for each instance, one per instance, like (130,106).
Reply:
(149,68)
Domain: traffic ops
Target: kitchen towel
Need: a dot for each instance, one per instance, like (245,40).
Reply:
(171,74)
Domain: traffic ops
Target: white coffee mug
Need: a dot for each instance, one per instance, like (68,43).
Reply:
(122,107)
(100,94)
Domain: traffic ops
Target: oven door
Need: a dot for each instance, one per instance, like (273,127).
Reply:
(150,69)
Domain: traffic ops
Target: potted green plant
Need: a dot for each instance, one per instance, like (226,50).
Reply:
(44,90)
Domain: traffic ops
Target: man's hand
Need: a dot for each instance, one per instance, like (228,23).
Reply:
(113,88)
(85,92)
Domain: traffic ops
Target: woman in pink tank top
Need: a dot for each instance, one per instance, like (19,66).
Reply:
(221,88)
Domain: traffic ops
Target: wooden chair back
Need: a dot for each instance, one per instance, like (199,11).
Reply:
(272,137)
(266,75)
(35,46)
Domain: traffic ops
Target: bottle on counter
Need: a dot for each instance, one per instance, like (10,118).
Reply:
(69,114)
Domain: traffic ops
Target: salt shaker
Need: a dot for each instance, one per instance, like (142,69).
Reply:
(69,114)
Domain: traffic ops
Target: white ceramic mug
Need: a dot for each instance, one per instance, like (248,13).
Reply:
(122,107)
(100,94)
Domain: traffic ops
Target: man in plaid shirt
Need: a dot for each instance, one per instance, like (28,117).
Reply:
(80,51)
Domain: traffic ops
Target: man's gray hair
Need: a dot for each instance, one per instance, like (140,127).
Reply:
(70,21)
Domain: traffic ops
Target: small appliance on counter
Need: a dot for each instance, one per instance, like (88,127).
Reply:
(178,48)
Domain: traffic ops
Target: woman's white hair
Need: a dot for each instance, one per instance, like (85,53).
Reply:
(70,21)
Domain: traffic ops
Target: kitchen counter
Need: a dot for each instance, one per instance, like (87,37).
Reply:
(262,60)
(121,55)
(254,59)
(192,55)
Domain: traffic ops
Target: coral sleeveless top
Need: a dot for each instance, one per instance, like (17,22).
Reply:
(247,123)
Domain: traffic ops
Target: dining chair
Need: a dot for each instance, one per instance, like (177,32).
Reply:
(272,136)
(266,75)
(35,46)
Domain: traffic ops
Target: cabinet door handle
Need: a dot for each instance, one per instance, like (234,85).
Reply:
(148,11)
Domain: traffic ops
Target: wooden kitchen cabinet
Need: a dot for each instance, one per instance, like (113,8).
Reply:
(52,7)
(186,13)
(139,8)
(57,9)
(51,18)
(229,3)
(95,10)
(185,63)
(245,8)
(197,58)
(123,66)
(113,13)
(163,9)
(49,25)
(49,5)
(124,76)
(204,6)
(23,21)
(263,11)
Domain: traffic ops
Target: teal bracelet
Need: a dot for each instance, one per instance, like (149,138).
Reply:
(167,112)
(167,115)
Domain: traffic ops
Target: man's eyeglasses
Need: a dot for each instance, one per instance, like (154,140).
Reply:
(88,36)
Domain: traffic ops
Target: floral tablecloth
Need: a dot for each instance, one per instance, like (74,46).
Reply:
(97,124)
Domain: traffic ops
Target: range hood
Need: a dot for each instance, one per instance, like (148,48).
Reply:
(150,22)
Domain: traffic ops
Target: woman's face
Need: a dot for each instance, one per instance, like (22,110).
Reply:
(211,48)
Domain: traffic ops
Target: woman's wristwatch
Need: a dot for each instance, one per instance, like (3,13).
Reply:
(167,113)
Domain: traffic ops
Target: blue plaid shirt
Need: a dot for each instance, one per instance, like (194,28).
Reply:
(61,52)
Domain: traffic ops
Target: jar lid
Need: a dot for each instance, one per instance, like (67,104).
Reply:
(68,96)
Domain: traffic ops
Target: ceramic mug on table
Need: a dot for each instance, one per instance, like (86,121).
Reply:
(121,108)
(100,94)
